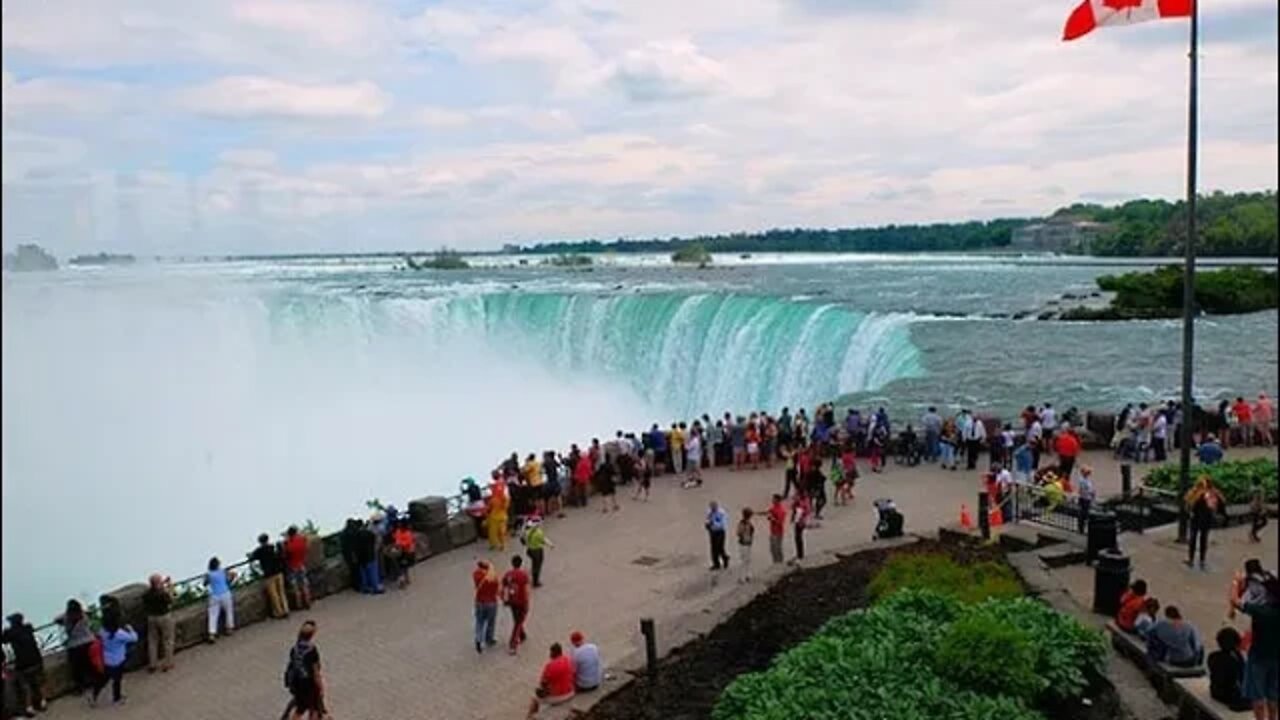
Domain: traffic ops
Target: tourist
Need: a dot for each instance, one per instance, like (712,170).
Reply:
(588,668)
(582,472)
(348,539)
(487,588)
(845,494)
(303,676)
(535,542)
(677,448)
(738,439)
(948,444)
(221,602)
(889,520)
(271,564)
(1223,423)
(1132,601)
(717,522)
(1263,413)
(1007,491)
(1262,667)
(496,520)
(296,548)
(801,512)
(1035,441)
(753,445)
(1203,502)
(115,641)
(746,536)
(1257,513)
(777,514)
(1066,445)
(157,601)
(405,547)
(974,437)
(1210,451)
(78,642)
(1243,413)
(1147,618)
(769,440)
(1160,436)
(815,485)
(607,486)
(1085,495)
(28,665)
(717,439)
(531,473)
(1049,421)
(931,424)
(1174,641)
(366,548)
(556,684)
(1226,671)
(789,477)
(515,594)
(693,452)
(646,475)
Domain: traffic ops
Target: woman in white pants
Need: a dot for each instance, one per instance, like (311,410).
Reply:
(221,602)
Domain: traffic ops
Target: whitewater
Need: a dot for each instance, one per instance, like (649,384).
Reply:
(159,414)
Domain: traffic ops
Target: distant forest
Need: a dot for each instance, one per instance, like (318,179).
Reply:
(1231,225)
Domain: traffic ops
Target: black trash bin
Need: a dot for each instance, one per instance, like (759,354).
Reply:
(1103,527)
(1110,578)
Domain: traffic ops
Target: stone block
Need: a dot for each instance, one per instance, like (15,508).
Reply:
(462,531)
(428,512)
(332,576)
(189,624)
(422,546)
(315,552)
(251,604)
(438,540)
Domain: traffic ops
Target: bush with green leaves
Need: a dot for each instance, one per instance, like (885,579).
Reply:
(902,658)
(934,571)
(1235,478)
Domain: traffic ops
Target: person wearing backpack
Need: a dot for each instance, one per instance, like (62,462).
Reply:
(303,677)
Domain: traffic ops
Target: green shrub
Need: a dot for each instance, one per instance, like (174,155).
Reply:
(923,654)
(1235,478)
(984,655)
(939,573)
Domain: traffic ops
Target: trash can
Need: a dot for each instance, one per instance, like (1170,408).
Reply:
(1110,578)
(1103,527)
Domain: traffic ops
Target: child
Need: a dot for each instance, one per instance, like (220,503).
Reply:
(746,536)
(1146,617)
(1131,603)
(646,476)
(1226,671)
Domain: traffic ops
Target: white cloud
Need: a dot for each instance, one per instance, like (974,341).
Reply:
(666,71)
(264,97)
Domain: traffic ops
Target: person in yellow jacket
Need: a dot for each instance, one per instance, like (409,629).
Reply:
(499,501)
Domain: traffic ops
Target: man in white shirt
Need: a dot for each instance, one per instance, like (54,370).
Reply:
(974,436)
(1049,423)
(588,669)
(1035,434)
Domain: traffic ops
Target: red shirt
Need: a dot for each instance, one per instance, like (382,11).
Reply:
(403,538)
(582,473)
(515,585)
(486,586)
(295,552)
(557,676)
(1066,444)
(777,519)
(1130,606)
(1243,412)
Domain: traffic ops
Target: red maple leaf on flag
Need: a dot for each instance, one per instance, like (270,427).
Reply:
(1119,5)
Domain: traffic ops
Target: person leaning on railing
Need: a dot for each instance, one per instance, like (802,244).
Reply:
(158,603)
(28,665)
(79,643)
(271,563)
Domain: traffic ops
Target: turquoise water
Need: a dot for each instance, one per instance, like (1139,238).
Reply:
(169,412)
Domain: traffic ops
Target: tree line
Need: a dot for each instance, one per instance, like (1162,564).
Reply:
(1230,225)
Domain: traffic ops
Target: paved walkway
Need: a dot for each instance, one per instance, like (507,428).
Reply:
(408,654)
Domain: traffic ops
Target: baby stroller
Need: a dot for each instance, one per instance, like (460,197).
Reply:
(889,521)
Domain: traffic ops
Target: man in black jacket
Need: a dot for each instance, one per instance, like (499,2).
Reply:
(28,664)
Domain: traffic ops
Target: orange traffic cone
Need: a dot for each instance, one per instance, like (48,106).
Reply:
(997,517)
(966,522)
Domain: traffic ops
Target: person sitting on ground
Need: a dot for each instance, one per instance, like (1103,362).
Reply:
(1131,603)
(1174,641)
(1147,617)
(588,669)
(1226,671)
(1210,451)
(556,684)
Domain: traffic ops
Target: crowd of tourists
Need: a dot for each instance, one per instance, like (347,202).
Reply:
(814,451)
(1244,671)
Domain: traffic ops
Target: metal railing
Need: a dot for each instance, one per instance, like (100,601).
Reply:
(1034,504)
(51,637)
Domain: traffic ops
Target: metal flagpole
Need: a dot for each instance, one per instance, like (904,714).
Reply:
(1188,281)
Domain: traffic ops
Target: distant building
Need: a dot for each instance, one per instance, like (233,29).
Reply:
(1060,235)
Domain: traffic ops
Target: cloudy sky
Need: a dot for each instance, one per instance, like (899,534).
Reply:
(152,126)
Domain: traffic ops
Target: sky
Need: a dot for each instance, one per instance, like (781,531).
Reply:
(264,126)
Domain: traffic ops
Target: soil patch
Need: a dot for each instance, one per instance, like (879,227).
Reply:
(691,678)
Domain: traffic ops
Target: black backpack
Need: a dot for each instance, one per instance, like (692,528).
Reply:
(295,669)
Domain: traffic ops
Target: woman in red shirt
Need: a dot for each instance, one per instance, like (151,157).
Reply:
(406,550)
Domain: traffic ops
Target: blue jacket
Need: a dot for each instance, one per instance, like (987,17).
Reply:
(116,645)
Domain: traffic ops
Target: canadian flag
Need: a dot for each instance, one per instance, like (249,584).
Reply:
(1100,13)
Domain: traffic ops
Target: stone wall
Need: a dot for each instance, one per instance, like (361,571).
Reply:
(436,535)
